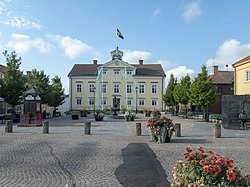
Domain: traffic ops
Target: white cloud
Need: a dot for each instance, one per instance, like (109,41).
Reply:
(191,11)
(228,53)
(166,64)
(22,43)
(179,72)
(72,48)
(17,21)
(134,56)
(156,12)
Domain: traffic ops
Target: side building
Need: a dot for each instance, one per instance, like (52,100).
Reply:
(129,86)
(242,76)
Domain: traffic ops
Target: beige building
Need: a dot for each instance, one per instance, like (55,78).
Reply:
(130,86)
(242,76)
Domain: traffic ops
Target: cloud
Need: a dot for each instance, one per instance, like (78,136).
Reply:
(179,72)
(22,43)
(72,48)
(191,11)
(134,56)
(18,21)
(228,53)
(166,64)
(156,12)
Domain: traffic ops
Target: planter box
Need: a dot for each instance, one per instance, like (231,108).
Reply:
(99,118)
(74,116)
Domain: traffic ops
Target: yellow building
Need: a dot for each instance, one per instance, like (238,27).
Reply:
(130,86)
(242,76)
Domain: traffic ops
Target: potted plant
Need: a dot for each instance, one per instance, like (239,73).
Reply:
(129,115)
(204,168)
(84,113)
(99,115)
(161,129)
(74,114)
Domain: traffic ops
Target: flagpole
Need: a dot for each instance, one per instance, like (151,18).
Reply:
(116,41)
(102,87)
(126,87)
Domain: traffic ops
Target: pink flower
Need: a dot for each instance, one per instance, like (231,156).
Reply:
(203,162)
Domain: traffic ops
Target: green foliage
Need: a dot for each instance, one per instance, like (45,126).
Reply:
(13,83)
(202,91)
(168,97)
(56,92)
(40,81)
(182,89)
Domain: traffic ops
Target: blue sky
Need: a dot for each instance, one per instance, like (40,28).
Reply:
(182,35)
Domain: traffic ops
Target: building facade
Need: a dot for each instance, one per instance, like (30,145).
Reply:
(116,84)
(242,76)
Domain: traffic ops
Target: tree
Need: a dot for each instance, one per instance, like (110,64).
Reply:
(168,97)
(181,90)
(40,81)
(13,83)
(202,91)
(56,95)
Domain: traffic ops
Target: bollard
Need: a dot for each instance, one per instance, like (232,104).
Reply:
(87,127)
(217,130)
(138,129)
(8,126)
(45,127)
(177,128)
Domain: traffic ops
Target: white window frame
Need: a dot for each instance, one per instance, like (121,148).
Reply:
(141,88)
(91,101)
(141,102)
(116,72)
(103,101)
(248,75)
(78,88)
(78,101)
(154,88)
(154,102)
(116,88)
(91,88)
(129,90)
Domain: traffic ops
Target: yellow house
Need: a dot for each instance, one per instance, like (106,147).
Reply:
(242,76)
(116,83)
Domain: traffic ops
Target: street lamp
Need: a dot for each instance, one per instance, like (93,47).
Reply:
(94,100)
(136,89)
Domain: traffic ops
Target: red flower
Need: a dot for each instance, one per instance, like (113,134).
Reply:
(230,176)
(203,162)
(188,149)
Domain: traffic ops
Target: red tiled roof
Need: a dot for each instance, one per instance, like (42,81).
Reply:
(223,77)
(142,70)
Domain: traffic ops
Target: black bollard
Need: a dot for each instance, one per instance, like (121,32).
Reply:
(138,129)
(177,128)
(8,126)
(87,127)
(217,130)
(45,127)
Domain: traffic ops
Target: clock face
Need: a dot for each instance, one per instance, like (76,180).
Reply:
(116,63)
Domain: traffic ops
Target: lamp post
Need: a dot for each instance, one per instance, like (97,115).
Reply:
(136,89)
(94,100)
(34,96)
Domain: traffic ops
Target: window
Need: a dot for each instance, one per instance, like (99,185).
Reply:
(129,72)
(116,71)
(154,102)
(78,88)
(129,102)
(248,75)
(91,88)
(103,88)
(129,88)
(78,101)
(104,101)
(141,102)
(141,88)
(105,72)
(154,88)
(91,101)
(116,88)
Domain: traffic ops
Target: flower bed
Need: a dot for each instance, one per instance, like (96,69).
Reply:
(202,168)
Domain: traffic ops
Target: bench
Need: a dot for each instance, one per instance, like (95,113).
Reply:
(214,118)
(245,123)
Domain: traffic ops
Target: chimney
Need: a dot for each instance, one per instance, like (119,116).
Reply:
(141,62)
(94,61)
(215,70)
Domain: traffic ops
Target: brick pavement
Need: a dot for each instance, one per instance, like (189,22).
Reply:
(67,157)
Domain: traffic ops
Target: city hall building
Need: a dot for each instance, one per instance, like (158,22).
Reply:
(116,83)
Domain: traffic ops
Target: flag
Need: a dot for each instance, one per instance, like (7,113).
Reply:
(124,73)
(119,34)
(99,75)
